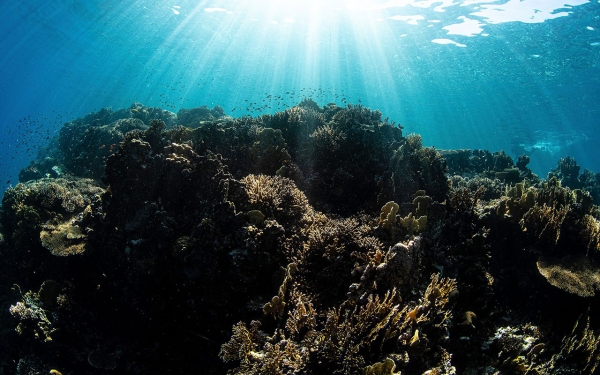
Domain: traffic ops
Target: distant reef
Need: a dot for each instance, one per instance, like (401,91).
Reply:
(317,240)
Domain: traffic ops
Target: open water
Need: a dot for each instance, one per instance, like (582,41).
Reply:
(519,75)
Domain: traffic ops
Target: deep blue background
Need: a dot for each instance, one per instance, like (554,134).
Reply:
(517,86)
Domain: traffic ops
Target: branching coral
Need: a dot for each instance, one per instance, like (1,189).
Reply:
(296,125)
(414,141)
(277,305)
(33,318)
(257,354)
(545,222)
(63,239)
(349,335)
(243,343)
(302,318)
(328,137)
(275,196)
(463,199)
(521,199)
(568,172)
(582,347)
(350,338)
(552,217)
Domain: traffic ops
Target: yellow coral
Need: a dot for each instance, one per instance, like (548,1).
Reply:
(63,239)
(583,344)
(388,215)
(386,367)
(422,201)
(413,225)
(277,305)
(578,276)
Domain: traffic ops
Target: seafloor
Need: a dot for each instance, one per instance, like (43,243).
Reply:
(318,240)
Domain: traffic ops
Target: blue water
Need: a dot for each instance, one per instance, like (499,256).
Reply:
(522,76)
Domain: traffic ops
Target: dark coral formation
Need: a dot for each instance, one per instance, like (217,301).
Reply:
(484,164)
(317,240)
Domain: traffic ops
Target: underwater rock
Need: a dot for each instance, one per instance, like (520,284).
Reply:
(192,118)
(147,114)
(102,360)
(416,168)
(510,175)
(422,202)
(255,217)
(143,184)
(268,151)
(85,147)
(484,164)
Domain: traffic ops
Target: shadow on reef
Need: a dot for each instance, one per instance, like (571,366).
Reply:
(318,240)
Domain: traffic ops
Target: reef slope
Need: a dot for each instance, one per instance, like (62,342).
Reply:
(318,240)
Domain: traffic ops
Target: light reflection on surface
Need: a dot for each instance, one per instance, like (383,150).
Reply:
(463,18)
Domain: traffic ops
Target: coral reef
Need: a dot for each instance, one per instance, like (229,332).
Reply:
(39,210)
(193,118)
(567,172)
(316,240)
(484,164)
